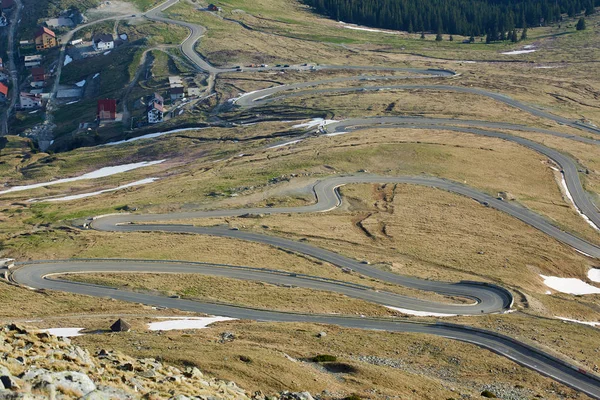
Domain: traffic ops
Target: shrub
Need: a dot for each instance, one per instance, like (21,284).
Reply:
(488,394)
(324,358)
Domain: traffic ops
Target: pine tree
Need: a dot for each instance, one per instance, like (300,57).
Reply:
(581,24)
(513,37)
(422,35)
(451,38)
(438,37)
(524,33)
(472,39)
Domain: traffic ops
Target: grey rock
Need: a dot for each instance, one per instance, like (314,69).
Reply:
(321,334)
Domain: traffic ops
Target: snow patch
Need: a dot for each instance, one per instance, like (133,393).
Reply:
(335,134)
(515,52)
(186,323)
(361,28)
(579,322)
(64,332)
(72,102)
(80,83)
(315,122)
(106,53)
(569,285)
(123,36)
(68,60)
(151,135)
(97,74)
(420,313)
(594,275)
(85,195)
(99,173)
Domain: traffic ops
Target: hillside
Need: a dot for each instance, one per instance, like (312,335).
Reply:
(39,365)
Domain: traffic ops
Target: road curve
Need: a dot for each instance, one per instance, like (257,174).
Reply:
(32,274)
(265,96)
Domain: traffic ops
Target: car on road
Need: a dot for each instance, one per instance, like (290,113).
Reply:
(286,66)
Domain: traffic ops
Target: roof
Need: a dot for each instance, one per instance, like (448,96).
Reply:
(45,30)
(120,326)
(155,106)
(102,37)
(109,105)
(32,96)
(158,97)
(8,3)
(177,90)
(3,89)
(38,71)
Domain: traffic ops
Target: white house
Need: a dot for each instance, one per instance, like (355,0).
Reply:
(103,42)
(28,100)
(155,109)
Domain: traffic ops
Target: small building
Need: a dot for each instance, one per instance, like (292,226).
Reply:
(107,109)
(120,326)
(7,4)
(29,100)
(175,81)
(155,109)
(103,42)
(60,21)
(176,93)
(45,39)
(32,61)
(38,75)
(3,91)
(76,42)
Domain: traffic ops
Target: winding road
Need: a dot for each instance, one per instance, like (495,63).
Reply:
(486,298)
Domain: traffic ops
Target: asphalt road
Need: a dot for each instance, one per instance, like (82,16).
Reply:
(265,96)
(33,276)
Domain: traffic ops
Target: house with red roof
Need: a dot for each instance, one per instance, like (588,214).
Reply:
(107,109)
(3,91)
(38,75)
(45,39)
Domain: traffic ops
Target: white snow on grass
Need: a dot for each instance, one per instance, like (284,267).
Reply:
(68,60)
(284,144)
(80,83)
(97,74)
(186,323)
(569,285)
(579,322)
(335,133)
(151,135)
(85,195)
(315,122)
(594,275)
(563,182)
(420,313)
(362,28)
(529,46)
(99,173)
(516,52)
(64,332)
(106,53)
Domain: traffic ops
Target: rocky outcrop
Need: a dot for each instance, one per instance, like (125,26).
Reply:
(36,365)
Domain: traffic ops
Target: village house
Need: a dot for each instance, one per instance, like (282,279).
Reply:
(176,93)
(155,109)
(38,75)
(7,4)
(3,91)
(45,39)
(32,61)
(107,109)
(103,42)
(30,100)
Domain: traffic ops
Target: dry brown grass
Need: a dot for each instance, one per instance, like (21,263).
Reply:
(239,292)
(429,367)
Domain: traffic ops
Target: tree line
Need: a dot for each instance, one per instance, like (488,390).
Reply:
(496,18)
